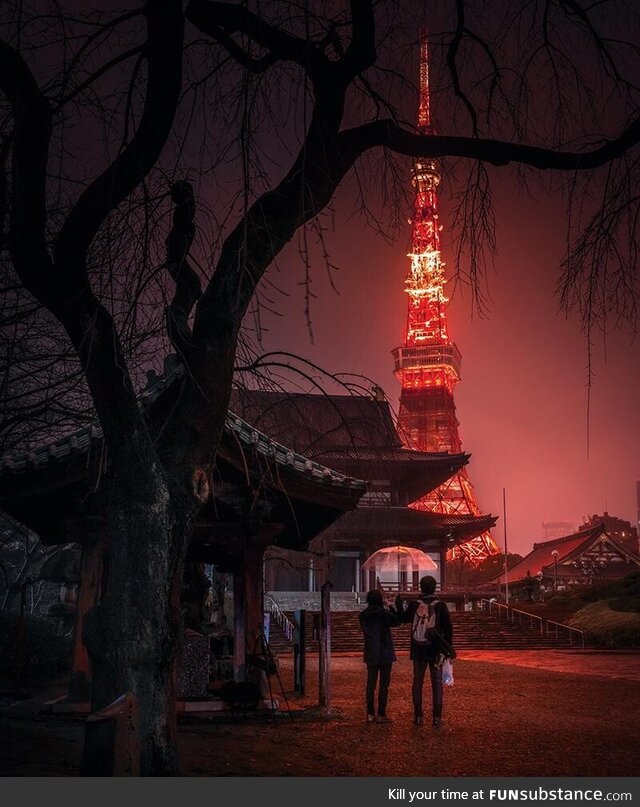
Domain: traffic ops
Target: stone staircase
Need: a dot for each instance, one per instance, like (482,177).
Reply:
(472,630)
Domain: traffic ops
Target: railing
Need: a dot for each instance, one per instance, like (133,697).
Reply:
(515,614)
(395,587)
(279,616)
(571,631)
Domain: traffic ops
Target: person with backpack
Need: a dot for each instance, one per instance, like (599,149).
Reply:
(431,644)
(376,622)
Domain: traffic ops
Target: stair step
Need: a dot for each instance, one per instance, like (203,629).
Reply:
(471,630)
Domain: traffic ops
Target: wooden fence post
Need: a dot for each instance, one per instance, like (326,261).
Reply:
(325,647)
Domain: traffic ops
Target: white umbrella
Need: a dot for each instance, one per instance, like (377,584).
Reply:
(394,558)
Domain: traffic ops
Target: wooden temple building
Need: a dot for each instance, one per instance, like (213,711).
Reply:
(561,564)
(305,489)
(263,495)
(356,435)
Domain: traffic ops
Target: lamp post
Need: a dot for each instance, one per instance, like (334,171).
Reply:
(554,555)
(506,551)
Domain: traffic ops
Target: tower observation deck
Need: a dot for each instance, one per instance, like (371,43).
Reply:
(428,362)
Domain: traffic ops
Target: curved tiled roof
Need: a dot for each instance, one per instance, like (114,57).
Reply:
(569,548)
(540,556)
(81,442)
(353,433)
(53,488)
(252,438)
(401,523)
(77,443)
(311,422)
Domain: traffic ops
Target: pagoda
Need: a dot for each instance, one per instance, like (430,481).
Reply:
(356,435)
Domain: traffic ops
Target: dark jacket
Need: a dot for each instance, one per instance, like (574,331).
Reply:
(376,622)
(443,627)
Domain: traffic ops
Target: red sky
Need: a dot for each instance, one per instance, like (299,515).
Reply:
(522,402)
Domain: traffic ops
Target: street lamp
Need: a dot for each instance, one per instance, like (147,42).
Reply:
(554,555)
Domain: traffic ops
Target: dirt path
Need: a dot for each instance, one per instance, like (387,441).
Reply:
(503,717)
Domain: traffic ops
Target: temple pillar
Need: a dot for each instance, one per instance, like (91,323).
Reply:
(248,610)
(248,601)
(254,600)
(91,575)
(443,565)
(239,621)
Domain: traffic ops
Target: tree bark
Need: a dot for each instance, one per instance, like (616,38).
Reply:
(134,635)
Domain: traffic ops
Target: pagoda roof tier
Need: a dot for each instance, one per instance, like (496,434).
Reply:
(353,434)
(410,473)
(312,423)
(407,525)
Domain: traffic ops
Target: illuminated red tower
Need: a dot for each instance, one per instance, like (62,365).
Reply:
(428,363)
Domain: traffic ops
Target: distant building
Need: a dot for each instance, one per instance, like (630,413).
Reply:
(621,531)
(556,529)
(565,563)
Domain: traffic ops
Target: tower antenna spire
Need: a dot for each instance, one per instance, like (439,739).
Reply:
(424,105)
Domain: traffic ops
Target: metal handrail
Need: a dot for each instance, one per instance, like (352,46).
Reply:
(520,613)
(285,624)
(491,603)
(571,630)
(510,613)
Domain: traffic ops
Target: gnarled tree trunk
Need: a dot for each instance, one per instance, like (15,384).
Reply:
(134,635)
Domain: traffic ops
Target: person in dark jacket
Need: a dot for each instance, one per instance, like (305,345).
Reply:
(429,655)
(376,622)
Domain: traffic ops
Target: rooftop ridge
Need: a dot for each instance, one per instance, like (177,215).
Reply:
(79,442)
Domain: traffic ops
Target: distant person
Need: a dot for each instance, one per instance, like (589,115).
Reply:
(431,644)
(376,622)
(529,586)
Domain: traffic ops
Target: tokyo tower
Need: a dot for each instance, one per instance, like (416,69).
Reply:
(428,363)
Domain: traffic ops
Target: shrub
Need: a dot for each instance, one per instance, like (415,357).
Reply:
(608,627)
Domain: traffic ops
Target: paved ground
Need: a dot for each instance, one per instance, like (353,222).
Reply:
(532,713)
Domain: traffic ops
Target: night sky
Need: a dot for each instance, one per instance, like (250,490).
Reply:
(522,402)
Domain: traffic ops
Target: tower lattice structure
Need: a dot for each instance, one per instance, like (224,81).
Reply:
(428,363)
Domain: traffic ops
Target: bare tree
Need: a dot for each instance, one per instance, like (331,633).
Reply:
(103,116)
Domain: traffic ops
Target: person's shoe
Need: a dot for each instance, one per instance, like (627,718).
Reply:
(370,718)
(436,722)
(417,721)
(383,719)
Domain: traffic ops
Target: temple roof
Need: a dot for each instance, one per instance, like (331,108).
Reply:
(393,525)
(312,423)
(570,548)
(49,486)
(354,434)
